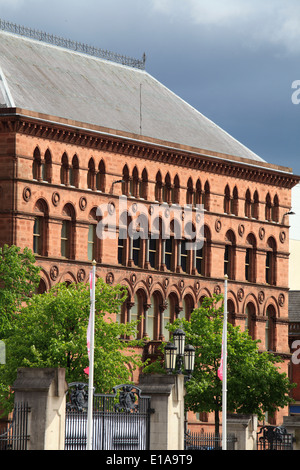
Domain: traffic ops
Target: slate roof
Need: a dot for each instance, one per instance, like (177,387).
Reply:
(52,80)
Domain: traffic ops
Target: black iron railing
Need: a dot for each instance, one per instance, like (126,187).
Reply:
(72,45)
(16,435)
(207,441)
(120,420)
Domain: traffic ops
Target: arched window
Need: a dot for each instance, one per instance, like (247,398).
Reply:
(137,311)
(250,259)
(123,242)
(206,196)
(190,192)
(176,192)
(135,183)
(48,166)
(91,175)
(36,165)
(255,206)
(167,190)
(40,228)
(248,204)
(229,255)
(275,209)
(152,317)
(126,181)
(144,185)
(64,170)
(271,262)
(270,329)
(158,187)
(250,319)
(235,202)
(169,315)
(231,312)
(227,200)
(68,232)
(74,172)
(268,208)
(188,306)
(94,245)
(100,179)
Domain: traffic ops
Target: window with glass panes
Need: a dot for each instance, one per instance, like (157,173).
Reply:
(65,239)
(169,253)
(37,236)
(91,242)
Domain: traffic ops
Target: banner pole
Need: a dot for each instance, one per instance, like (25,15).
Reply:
(224,382)
(91,364)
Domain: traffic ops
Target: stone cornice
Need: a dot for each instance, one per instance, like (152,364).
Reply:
(15,120)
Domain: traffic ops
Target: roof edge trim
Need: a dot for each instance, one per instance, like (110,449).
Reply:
(9,101)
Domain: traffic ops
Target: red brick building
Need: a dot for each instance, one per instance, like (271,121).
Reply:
(78,131)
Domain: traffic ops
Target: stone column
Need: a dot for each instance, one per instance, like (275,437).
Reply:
(292,425)
(244,428)
(167,399)
(45,392)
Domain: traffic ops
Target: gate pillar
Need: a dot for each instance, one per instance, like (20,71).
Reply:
(167,399)
(44,392)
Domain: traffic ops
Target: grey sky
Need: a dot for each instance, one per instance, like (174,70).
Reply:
(234,60)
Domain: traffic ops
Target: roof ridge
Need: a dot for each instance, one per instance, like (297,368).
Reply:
(72,45)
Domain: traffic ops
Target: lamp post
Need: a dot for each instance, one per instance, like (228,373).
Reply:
(178,356)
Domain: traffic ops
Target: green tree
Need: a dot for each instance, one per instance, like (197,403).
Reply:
(254,381)
(19,277)
(50,331)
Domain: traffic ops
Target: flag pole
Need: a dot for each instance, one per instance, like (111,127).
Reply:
(224,382)
(91,362)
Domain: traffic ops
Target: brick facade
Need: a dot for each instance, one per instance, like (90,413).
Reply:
(54,175)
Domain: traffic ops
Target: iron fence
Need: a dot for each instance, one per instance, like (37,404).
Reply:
(120,420)
(274,438)
(16,435)
(207,441)
(72,45)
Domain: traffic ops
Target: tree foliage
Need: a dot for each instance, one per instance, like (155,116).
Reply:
(255,384)
(19,278)
(50,331)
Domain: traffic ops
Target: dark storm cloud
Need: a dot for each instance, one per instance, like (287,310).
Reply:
(234,61)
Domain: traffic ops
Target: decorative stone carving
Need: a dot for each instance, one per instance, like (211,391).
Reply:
(240,295)
(83,203)
(54,271)
(261,297)
(26,194)
(241,230)
(109,278)
(217,289)
(281,300)
(55,199)
(282,236)
(261,233)
(218,225)
(81,275)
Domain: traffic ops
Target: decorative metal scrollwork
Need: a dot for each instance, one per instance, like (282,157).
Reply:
(78,396)
(127,398)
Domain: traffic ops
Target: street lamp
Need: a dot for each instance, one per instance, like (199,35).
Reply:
(179,355)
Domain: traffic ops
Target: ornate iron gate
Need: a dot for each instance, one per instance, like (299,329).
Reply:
(274,438)
(121,421)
